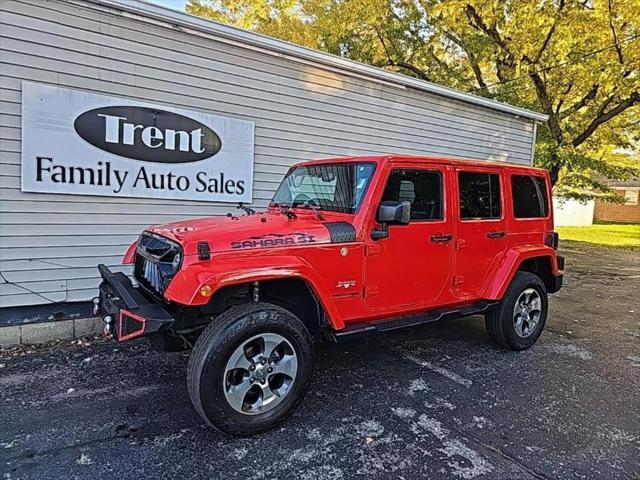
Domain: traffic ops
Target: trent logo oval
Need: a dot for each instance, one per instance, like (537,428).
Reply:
(147,134)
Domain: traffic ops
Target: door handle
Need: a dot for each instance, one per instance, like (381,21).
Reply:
(441,238)
(495,234)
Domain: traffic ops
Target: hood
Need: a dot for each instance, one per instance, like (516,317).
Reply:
(259,231)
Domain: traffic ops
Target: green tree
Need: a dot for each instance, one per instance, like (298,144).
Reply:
(578,61)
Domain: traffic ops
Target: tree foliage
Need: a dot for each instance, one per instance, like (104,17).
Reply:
(578,61)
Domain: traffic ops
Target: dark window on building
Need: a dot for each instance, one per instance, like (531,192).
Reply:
(529,196)
(479,195)
(421,188)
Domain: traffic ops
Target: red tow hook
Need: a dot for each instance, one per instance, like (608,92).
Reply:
(126,321)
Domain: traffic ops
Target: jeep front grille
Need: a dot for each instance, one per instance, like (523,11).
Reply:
(153,267)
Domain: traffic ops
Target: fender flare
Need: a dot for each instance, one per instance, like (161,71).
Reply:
(185,286)
(511,261)
(129,256)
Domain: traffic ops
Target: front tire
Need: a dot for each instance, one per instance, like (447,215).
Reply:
(249,368)
(518,321)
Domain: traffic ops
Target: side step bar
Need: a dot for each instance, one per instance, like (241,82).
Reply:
(356,330)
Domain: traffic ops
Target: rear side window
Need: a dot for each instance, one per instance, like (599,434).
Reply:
(421,188)
(479,195)
(529,196)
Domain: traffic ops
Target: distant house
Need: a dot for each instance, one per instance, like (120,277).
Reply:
(568,212)
(627,212)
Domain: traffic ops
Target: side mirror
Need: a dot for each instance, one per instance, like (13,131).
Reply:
(392,212)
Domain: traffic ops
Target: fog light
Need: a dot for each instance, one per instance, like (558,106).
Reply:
(206,291)
(175,263)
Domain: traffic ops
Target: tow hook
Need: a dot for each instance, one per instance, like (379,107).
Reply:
(96,306)
(108,322)
(107,319)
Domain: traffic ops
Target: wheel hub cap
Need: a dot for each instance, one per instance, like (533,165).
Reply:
(260,373)
(527,312)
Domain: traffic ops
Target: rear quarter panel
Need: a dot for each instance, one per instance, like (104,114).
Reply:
(525,236)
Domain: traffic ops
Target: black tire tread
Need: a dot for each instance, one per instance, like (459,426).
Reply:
(495,320)
(202,350)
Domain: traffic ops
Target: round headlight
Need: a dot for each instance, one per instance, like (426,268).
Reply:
(176,261)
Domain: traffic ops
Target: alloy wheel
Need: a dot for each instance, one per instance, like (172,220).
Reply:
(527,312)
(259,373)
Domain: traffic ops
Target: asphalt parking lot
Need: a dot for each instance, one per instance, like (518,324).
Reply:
(434,402)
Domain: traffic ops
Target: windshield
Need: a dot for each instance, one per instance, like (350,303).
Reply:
(337,187)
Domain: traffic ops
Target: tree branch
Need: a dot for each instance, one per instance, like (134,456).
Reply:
(633,99)
(473,61)
(400,64)
(591,94)
(412,68)
(384,44)
(477,22)
(545,43)
(586,4)
(547,107)
(477,72)
(547,39)
(506,59)
(605,104)
(616,41)
(562,97)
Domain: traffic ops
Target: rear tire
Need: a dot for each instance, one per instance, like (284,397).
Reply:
(249,368)
(518,320)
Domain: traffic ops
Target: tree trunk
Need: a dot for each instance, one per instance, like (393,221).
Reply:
(554,170)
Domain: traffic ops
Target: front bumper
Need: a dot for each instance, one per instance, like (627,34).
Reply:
(127,313)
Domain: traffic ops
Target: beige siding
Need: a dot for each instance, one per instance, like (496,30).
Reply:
(50,244)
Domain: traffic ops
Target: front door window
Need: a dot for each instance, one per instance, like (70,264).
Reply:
(421,188)
(410,268)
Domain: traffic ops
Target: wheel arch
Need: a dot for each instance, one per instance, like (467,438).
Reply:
(293,293)
(538,260)
(285,282)
(542,267)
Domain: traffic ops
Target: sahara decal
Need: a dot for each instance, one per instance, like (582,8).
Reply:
(273,240)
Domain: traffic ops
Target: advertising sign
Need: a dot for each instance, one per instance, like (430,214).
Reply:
(81,143)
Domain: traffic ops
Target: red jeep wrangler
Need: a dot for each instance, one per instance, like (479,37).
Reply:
(347,247)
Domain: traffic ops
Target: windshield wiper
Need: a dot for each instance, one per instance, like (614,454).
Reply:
(316,209)
(285,210)
(248,210)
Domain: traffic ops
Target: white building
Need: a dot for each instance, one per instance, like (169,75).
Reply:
(60,59)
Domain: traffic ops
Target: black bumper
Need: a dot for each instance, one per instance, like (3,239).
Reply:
(131,314)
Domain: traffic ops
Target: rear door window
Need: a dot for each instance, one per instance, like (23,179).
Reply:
(421,188)
(529,195)
(479,195)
